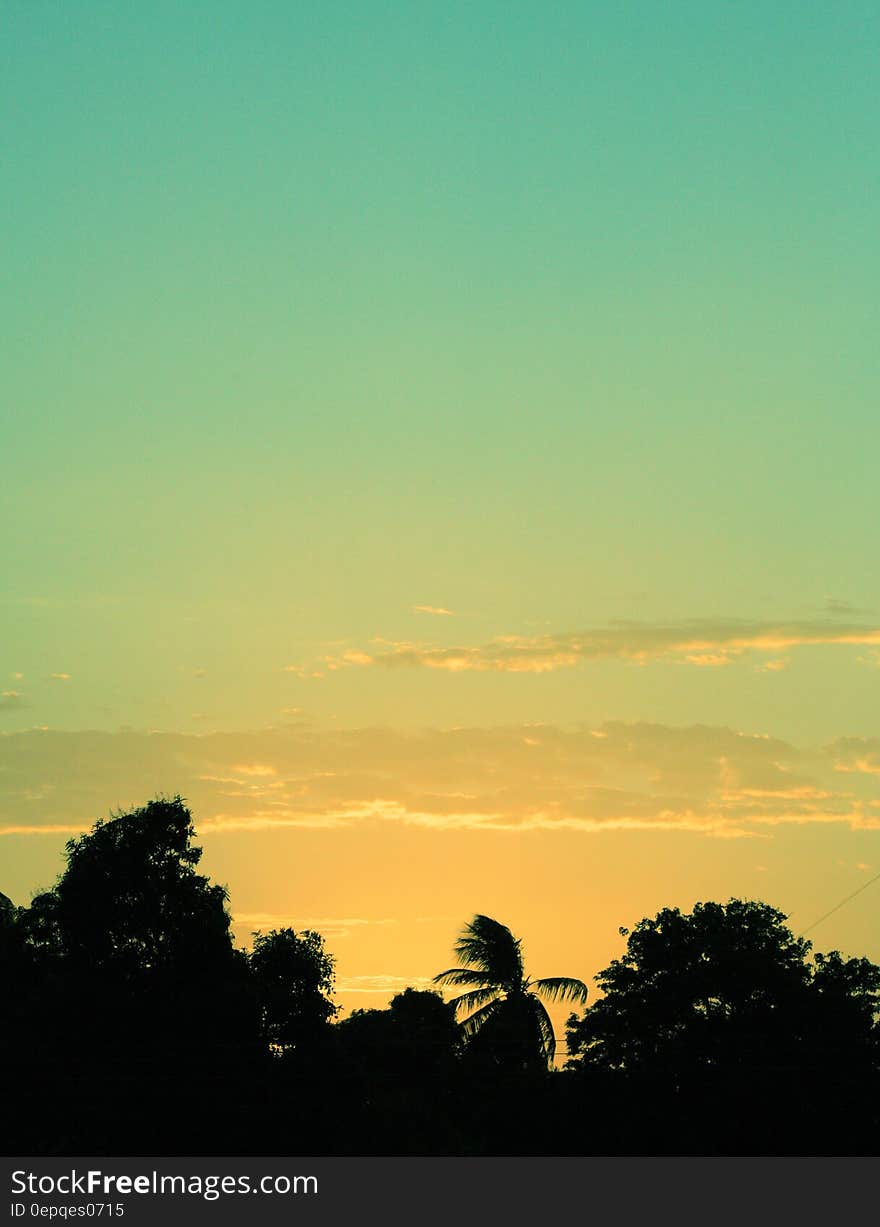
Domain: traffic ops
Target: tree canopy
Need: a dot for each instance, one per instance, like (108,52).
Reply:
(718,1030)
(417,1033)
(293,977)
(725,986)
(130,900)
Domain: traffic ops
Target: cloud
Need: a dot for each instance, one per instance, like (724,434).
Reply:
(706,643)
(710,660)
(382,983)
(274,820)
(867,766)
(11,700)
(857,756)
(59,677)
(438,611)
(521,780)
(44,829)
(303,671)
(845,608)
(328,926)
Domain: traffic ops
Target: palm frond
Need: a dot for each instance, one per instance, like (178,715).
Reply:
(476,997)
(472,1025)
(463,975)
(545,1029)
(489,946)
(561,988)
(498,993)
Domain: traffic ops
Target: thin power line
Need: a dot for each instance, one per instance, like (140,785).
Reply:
(838,906)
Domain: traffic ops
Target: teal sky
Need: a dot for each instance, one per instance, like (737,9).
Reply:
(549,314)
(322,320)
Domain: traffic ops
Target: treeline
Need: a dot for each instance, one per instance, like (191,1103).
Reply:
(130,1024)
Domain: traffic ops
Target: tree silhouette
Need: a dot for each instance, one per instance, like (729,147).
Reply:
(726,982)
(130,899)
(843,1016)
(293,976)
(14,964)
(728,992)
(132,934)
(417,1033)
(721,1034)
(131,986)
(507,1016)
(397,1071)
(719,1031)
(9,931)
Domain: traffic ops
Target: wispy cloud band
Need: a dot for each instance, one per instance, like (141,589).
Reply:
(519,779)
(707,643)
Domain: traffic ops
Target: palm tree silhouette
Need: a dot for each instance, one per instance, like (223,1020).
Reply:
(505,1003)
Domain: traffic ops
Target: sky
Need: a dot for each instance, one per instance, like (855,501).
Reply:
(439,441)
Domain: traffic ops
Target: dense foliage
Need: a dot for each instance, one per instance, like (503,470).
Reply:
(131,1023)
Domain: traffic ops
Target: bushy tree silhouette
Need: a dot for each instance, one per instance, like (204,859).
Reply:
(724,983)
(692,988)
(132,931)
(415,1034)
(130,900)
(507,1018)
(721,1023)
(397,1070)
(293,977)
(14,963)
(131,986)
(9,933)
